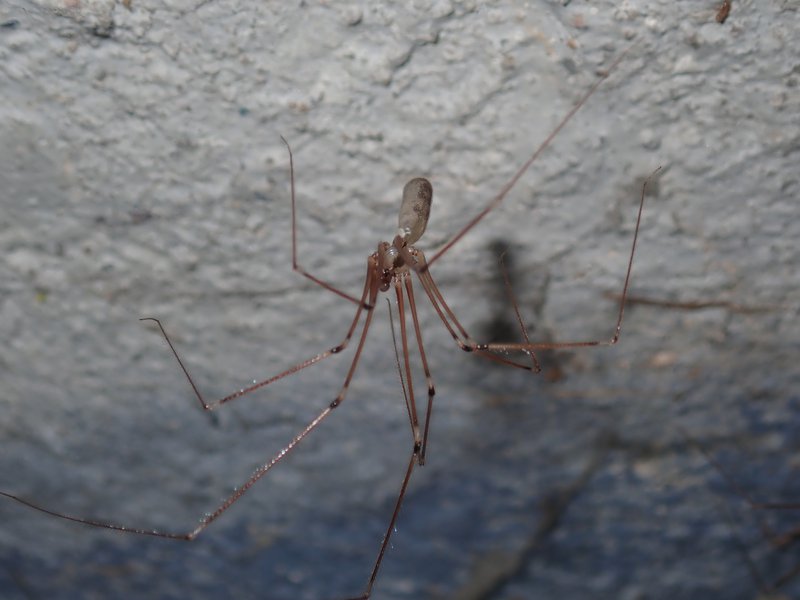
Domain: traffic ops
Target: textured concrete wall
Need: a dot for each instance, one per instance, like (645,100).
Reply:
(142,174)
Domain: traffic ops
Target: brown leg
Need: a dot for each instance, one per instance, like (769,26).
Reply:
(466,342)
(296,265)
(372,289)
(362,305)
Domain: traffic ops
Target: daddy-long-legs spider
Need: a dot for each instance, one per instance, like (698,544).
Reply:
(389,267)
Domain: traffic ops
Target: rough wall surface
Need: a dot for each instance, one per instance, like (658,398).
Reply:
(142,174)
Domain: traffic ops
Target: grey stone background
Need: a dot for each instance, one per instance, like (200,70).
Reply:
(142,174)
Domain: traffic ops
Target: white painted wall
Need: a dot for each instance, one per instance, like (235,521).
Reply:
(142,174)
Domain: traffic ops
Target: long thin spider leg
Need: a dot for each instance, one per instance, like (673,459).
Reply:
(513,298)
(416,260)
(410,401)
(412,414)
(296,266)
(390,529)
(400,368)
(362,305)
(428,377)
(623,298)
(372,286)
(451,323)
(209,517)
(93,522)
(469,345)
(495,202)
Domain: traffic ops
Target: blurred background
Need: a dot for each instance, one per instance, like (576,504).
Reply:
(142,174)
